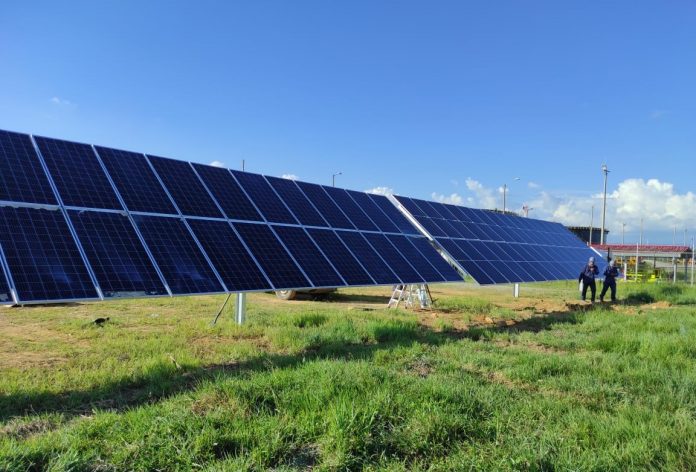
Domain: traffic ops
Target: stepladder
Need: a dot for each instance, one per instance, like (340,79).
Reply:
(411,296)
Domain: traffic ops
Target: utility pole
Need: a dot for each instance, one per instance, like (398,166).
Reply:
(591,224)
(242,164)
(641,231)
(505,195)
(333,178)
(605,170)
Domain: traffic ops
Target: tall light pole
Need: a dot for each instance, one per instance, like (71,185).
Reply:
(333,178)
(641,231)
(505,195)
(591,224)
(605,170)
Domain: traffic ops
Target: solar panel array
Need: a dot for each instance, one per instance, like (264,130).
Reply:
(499,248)
(88,222)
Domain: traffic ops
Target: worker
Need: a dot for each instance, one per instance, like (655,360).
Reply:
(610,274)
(587,278)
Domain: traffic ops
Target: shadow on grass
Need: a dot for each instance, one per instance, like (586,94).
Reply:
(359,298)
(165,380)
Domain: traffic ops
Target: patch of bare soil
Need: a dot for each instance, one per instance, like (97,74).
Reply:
(19,429)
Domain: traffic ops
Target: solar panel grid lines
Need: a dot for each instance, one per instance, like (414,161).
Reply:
(76,174)
(373,212)
(321,200)
(43,257)
(351,209)
(116,254)
(184,265)
(320,271)
(371,261)
(278,264)
(135,181)
(184,187)
(399,264)
(345,260)
(6,295)
(229,254)
(22,175)
(264,197)
(449,273)
(300,206)
(398,218)
(231,198)
(424,268)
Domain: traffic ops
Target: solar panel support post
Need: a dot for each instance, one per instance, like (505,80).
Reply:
(240,312)
(516,291)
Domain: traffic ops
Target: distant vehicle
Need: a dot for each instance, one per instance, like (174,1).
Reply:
(292,294)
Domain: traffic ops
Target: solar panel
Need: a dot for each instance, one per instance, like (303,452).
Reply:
(22,177)
(435,259)
(135,181)
(394,214)
(42,256)
(189,194)
(373,212)
(373,263)
(232,260)
(300,206)
(415,258)
(272,256)
(319,270)
(177,255)
(358,217)
(401,267)
(228,193)
(325,205)
(5,295)
(79,177)
(346,262)
(263,196)
(501,248)
(116,254)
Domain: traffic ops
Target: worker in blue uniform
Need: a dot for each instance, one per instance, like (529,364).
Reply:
(611,272)
(587,278)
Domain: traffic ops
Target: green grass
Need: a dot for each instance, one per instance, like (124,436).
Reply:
(348,385)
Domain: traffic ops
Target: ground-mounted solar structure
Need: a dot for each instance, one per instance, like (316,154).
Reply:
(499,248)
(84,222)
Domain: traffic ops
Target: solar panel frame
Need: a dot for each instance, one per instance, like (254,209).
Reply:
(393,213)
(303,210)
(351,209)
(417,260)
(135,181)
(7,296)
(77,175)
(376,267)
(373,212)
(229,195)
(264,197)
(23,177)
(393,257)
(61,257)
(110,241)
(343,259)
(325,205)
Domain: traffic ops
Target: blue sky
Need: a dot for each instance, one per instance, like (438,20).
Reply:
(444,100)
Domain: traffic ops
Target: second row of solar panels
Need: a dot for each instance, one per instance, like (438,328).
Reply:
(194,256)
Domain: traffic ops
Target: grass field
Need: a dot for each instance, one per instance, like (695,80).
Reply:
(483,382)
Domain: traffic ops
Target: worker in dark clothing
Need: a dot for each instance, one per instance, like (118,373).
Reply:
(610,274)
(587,277)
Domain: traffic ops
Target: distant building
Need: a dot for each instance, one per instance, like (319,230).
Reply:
(583,232)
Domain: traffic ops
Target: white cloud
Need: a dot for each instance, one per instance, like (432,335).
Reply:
(381,191)
(483,197)
(658,114)
(454,182)
(454,198)
(290,176)
(218,164)
(533,185)
(62,102)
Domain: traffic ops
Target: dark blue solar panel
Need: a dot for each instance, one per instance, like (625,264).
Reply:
(373,212)
(431,226)
(272,256)
(228,193)
(343,260)
(297,202)
(371,261)
(5,295)
(116,254)
(394,214)
(325,205)
(231,259)
(177,255)
(308,256)
(79,177)
(358,217)
(415,258)
(394,259)
(266,200)
(135,181)
(411,206)
(22,177)
(42,256)
(435,259)
(185,187)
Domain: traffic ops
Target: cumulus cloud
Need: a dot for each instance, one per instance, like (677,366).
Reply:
(483,197)
(454,198)
(381,191)
(218,164)
(61,102)
(533,185)
(290,176)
